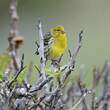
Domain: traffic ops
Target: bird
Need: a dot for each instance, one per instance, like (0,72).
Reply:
(55,43)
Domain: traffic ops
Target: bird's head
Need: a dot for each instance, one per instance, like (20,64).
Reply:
(57,30)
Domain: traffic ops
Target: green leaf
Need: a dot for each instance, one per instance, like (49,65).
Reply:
(4,61)
(1,75)
(53,73)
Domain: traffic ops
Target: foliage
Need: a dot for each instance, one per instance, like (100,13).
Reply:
(5,59)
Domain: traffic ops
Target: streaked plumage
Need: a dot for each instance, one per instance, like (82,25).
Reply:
(55,43)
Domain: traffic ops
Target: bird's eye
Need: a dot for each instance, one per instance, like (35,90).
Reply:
(58,30)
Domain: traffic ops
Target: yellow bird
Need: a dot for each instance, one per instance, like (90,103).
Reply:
(55,43)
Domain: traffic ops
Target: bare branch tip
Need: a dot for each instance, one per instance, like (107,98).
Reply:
(81,35)
(69,51)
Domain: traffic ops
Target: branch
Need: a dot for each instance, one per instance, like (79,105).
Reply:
(14,20)
(82,90)
(81,99)
(41,50)
(41,54)
(69,67)
(41,85)
(14,39)
(18,72)
(13,32)
(16,76)
(78,43)
(37,104)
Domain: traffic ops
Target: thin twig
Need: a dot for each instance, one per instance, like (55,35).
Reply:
(85,106)
(18,72)
(41,85)
(15,77)
(39,101)
(80,100)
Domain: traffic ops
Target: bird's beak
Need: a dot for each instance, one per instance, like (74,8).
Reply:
(63,32)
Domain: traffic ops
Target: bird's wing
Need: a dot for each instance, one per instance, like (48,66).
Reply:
(48,42)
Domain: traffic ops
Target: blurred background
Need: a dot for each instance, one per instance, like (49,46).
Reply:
(93,16)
